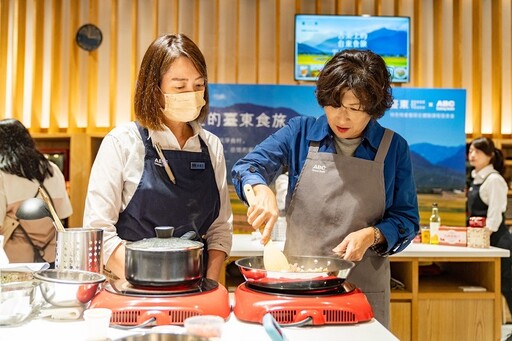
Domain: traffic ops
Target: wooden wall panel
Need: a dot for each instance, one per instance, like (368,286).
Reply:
(246,65)
(54,87)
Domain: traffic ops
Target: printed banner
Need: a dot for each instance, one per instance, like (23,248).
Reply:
(431,120)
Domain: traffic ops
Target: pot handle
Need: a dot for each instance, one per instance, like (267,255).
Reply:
(189,235)
(164,231)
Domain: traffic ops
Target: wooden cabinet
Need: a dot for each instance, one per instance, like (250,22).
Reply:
(82,149)
(434,307)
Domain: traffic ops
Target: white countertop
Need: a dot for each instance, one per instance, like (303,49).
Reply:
(247,245)
(234,330)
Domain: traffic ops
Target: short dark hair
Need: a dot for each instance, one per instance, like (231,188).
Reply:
(159,56)
(486,145)
(363,72)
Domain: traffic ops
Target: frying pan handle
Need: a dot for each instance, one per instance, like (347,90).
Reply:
(189,235)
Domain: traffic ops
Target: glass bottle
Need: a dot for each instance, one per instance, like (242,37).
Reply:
(435,222)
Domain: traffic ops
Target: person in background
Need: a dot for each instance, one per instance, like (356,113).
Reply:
(487,197)
(163,169)
(23,169)
(351,185)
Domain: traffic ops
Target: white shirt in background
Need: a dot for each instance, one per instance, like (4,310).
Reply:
(493,193)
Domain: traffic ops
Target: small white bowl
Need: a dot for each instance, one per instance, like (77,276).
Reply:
(209,326)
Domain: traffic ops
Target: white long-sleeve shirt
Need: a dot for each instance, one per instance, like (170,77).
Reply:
(493,193)
(117,171)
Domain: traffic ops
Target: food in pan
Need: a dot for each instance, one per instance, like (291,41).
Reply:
(295,267)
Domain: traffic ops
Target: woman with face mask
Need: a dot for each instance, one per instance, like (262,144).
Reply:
(163,169)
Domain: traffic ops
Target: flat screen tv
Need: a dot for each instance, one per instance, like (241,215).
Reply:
(319,37)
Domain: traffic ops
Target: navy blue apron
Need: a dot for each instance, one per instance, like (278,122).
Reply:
(192,204)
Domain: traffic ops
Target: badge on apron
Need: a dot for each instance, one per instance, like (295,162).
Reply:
(197,165)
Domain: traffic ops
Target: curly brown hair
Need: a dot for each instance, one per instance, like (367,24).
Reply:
(363,72)
(162,52)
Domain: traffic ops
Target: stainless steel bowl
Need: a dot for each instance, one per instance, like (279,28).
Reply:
(17,302)
(68,288)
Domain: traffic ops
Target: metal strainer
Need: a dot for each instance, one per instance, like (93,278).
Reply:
(80,249)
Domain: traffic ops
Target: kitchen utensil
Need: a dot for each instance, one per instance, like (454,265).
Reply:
(167,168)
(80,249)
(274,259)
(68,288)
(55,216)
(164,260)
(272,328)
(36,208)
(209,326)
(313,273)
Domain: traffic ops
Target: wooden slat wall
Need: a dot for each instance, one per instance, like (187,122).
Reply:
(59,90)
(53,86)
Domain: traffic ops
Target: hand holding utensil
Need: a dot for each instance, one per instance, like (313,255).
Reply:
(273,258)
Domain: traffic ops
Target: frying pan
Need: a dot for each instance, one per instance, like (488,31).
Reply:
(316,273)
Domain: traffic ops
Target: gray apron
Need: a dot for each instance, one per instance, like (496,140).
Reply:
(337,195)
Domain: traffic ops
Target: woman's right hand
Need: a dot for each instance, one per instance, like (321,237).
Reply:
(263,211)
(115,263)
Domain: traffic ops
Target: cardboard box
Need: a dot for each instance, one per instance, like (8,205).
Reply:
(453,235)
(479,237)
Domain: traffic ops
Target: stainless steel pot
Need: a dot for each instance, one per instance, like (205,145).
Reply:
(312,273)
(164,260)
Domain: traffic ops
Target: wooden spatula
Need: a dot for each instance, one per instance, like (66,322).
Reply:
(273,258)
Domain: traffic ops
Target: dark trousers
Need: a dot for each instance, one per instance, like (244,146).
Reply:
(505,242)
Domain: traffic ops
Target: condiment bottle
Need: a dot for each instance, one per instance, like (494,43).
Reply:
(435,222)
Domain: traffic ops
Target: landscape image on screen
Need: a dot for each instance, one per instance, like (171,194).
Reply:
(319,37)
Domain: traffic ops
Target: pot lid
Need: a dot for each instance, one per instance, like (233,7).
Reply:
(165,242)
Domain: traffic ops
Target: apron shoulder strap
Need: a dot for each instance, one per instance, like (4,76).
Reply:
(146,140)
(384,145)
(313,146)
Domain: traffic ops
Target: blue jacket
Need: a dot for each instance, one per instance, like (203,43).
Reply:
(289,147)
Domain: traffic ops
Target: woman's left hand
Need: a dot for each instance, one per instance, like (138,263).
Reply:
(355,244)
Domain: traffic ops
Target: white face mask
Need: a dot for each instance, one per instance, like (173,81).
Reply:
(184,107)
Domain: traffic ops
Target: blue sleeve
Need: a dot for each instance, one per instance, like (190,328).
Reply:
(400,223)
(264,163)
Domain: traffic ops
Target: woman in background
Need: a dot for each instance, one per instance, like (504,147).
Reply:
(487,197)
(164,169)
(22,170)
